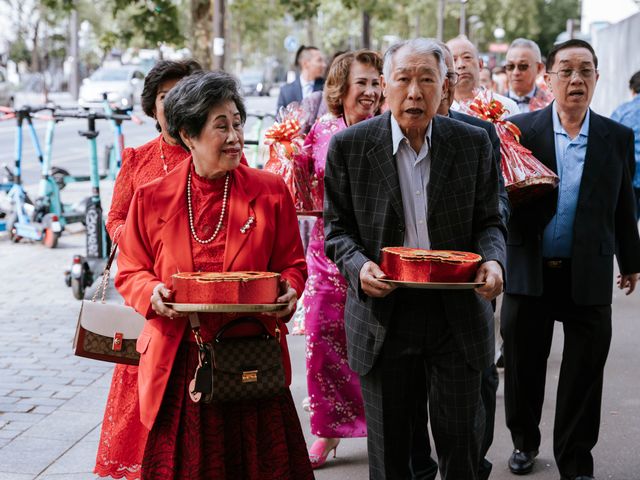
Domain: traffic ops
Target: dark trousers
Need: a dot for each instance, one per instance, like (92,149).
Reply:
(527,330)
(423,467)
(420,364)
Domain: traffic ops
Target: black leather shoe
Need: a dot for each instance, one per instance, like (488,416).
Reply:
(521,463)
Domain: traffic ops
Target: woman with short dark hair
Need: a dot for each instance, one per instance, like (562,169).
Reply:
(210,214)
(123,437)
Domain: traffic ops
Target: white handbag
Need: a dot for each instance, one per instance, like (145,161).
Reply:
(106,331)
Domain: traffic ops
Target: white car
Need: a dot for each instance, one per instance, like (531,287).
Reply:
(122,84)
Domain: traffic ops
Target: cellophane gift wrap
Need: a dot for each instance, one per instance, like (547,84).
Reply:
(526,178)
(287,156)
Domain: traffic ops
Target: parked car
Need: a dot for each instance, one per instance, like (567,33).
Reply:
(122,84)
(6,90)
(254,83)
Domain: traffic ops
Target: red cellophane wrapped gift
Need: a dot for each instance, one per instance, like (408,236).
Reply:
(525,176)
(419,265)
(287,157)
(226,287)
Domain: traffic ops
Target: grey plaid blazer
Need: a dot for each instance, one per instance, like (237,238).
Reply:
(363,213)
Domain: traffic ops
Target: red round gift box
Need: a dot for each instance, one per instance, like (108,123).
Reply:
(226,287)
(419,265)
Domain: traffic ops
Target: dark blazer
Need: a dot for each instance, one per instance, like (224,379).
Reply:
(605,221)
(363,213)
(292,92)
(503,197)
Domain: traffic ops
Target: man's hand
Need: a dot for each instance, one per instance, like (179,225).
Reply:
(159,295)
(289,296)
(370,275)
(491,273)
(628,281)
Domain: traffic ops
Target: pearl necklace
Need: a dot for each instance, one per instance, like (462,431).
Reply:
(224,207)
(162,157)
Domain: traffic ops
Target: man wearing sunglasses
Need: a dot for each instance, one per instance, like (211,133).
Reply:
(524,64)
(560,253)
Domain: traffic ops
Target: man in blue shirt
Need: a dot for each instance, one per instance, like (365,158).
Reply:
(560,265)
(629,114)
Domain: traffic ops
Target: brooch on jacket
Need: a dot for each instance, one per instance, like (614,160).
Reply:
(247,225)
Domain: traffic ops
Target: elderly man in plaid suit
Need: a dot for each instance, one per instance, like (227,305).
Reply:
(409,177)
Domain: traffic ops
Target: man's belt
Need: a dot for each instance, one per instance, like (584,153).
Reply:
(556,263)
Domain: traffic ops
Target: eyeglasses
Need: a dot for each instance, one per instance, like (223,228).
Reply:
(453,78)
(567,73)
(523,67)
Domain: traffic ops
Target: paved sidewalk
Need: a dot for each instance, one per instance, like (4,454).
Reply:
(51,402)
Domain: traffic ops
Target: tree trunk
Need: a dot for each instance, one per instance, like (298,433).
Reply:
(219,47)
(35,52)
(366,30)
(311,31)
(201,20)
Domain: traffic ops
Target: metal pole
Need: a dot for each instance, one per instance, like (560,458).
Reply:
(74,74)
(463,17)
(440,30)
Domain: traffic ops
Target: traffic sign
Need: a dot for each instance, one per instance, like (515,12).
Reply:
(291,43)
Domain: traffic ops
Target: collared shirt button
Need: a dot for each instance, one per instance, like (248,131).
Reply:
(418,192)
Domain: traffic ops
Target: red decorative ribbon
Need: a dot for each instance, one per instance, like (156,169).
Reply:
(493,112)
(284,131)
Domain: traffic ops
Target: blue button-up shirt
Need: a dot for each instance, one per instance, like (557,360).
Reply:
(629,114)
(557,241)
(413,175)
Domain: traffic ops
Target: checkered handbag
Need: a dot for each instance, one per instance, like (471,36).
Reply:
(245,368)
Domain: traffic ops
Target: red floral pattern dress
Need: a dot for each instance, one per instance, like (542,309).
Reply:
(251,440)
(123,437)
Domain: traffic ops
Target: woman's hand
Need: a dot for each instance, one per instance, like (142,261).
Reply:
(289,296)
(159,295)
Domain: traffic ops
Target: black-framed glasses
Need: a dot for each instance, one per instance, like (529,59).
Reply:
(453,78)
(523,67)
(568,73)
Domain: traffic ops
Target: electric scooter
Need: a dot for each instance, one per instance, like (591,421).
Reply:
(20,221)
(98,245)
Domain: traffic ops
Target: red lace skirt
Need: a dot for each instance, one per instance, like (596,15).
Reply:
(257,440)
(123,436)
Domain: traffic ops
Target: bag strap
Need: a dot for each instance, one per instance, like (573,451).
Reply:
(194,321)
(106,273)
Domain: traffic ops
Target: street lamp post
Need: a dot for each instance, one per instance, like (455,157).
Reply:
(463,17)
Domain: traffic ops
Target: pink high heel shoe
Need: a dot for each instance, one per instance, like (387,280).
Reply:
(318,452)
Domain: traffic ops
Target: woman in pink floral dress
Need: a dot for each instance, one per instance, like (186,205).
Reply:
(353,93)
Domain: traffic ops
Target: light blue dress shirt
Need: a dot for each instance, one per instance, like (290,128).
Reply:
(413,175)
(629,114)
(557,241)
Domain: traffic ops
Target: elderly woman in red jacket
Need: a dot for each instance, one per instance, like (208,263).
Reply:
(197,219)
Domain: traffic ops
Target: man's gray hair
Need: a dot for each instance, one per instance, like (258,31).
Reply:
(526,43)
(420,45)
